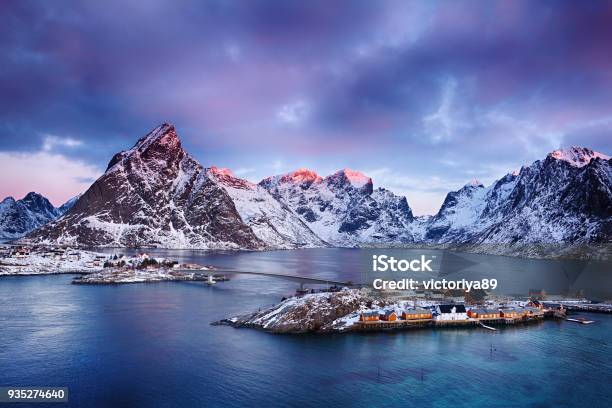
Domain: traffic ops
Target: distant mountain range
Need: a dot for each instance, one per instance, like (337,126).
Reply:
(18,217)
(156,194)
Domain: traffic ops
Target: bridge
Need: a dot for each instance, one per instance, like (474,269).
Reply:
(299,279)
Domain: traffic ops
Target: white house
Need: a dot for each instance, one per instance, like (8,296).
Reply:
(451,312)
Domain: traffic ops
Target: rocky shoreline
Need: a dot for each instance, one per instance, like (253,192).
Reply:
(313,313)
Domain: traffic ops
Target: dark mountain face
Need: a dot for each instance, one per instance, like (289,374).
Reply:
(154,194)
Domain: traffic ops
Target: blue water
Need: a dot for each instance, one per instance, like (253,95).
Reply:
(146,345)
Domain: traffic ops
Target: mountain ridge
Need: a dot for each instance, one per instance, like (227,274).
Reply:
(156,194)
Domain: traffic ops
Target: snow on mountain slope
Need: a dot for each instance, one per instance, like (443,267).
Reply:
(68,204)
(563,200)
(153,194)
(18,217)
(343,208)
(273,222)
(557,201)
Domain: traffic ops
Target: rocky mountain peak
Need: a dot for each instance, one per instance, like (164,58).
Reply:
(304,175)
(222,171)
(226,177)
(473,184)
(8,200)
(577,156)
(36,202)
(163,135)
(18,217)
(160,143)
(350,177)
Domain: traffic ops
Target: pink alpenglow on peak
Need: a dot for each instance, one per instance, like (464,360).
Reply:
(226,177)
(304,174)
(300,176)
(222,171)
(356,178)
(577,156)
(474,183)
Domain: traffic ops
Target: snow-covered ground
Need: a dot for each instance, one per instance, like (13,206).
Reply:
(39,264)
(119,275)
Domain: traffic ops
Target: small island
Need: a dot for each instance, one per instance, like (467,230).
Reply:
(362,310)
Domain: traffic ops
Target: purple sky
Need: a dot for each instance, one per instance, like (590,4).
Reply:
(421,96)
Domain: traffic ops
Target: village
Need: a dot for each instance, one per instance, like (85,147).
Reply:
(363,310)
(455,308)
(98,268)
(458,314)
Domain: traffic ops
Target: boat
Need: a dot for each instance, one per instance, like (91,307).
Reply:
(580,320)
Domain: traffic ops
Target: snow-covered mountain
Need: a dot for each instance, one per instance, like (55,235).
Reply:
(153,194)
(343,208)
(563,200)
(272,221)
(18,217)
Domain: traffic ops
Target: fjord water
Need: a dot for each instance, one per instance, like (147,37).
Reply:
(153,345)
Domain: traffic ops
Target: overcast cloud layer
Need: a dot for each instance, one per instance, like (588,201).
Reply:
(421,96)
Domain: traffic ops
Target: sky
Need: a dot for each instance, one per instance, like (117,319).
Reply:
(422,96)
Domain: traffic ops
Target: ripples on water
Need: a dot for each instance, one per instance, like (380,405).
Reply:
(152,345)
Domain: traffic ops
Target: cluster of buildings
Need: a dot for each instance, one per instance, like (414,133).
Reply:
(56,253)
(463,313)
(64,255)
(141,260)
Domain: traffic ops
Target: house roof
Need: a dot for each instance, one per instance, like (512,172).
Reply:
(416,311)
(485,311)
(448,308)
(369,314)
(388,313)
